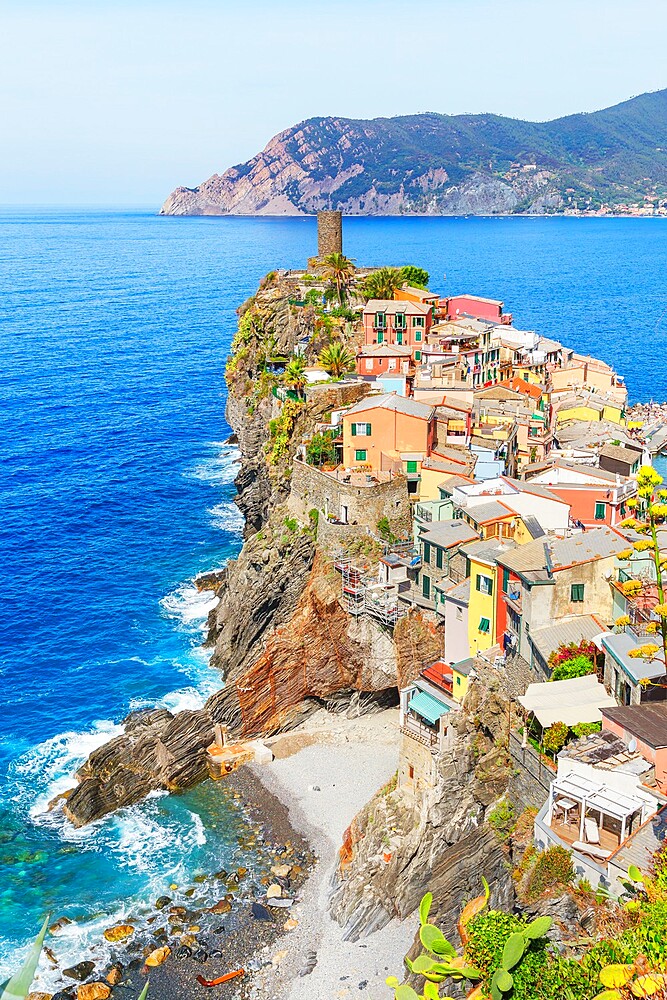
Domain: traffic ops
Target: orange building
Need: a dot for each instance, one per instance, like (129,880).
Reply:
(388,433)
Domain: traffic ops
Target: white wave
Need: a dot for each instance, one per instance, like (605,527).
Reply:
(189,605)
(227,517)
(47,769)
(219,469)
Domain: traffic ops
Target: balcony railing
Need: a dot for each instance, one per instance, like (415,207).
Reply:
(418,731)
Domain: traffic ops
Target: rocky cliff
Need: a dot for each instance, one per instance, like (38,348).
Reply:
(280,638)
(433,164)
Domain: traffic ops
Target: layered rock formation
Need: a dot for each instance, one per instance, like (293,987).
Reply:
(434,164)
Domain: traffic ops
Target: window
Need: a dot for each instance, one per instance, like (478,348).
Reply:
(484,625)
(418,336)
(380,337)
(577,593)
(380,320)
(400,321)
(427,552)
(360,455)
(418,321)
(418,355)
(361,430)
(600,511)
(506,580)
(426,586)
(412,467)
(458,679)
(484,584)
(439,554)
(399,338)
(459,614)
(411,771)
(369,364)
(391,366)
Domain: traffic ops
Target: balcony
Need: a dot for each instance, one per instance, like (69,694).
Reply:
(419,731)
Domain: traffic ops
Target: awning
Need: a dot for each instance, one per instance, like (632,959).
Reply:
(428,707)
(577,700)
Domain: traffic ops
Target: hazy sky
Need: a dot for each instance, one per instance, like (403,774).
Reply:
(117,102)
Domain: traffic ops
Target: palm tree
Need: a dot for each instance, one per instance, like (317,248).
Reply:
(339,270)
(336,360)
(382,284)
(295,373)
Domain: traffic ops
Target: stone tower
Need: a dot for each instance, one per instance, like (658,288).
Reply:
(329,233)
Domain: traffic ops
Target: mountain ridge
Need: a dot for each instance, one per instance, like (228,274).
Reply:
(614,159)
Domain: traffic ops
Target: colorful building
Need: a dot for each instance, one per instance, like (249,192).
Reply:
(388,433)
(402,324)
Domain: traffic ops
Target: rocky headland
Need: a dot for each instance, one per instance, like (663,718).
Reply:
(432,164)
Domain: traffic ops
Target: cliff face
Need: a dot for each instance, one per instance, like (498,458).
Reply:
(439,841)
(282,642)
(434,164)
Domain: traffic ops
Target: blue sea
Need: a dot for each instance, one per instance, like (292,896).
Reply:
(117,486)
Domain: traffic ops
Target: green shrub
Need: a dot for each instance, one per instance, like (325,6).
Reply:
(549,869)
(502,818)
(576,666)
(555,737)
(586,728)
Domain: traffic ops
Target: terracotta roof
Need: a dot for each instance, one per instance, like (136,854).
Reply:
(385,351)
(525,388)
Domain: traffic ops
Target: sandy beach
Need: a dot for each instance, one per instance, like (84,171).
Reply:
(324,773)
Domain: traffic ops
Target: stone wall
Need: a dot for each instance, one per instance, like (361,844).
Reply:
(331,538)
(366,505)
(329,233)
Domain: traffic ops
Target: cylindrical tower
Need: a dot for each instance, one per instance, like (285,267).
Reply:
(329,232)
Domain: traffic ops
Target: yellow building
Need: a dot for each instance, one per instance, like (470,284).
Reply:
(461,678)
(483,573)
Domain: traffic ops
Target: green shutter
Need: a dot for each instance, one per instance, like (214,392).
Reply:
(438,558)
(427,552)
(600,511)
(380,337)
(426,586)
(484,625)
(506,580)
(368,430)
(418,336)
(418,355)
(360,455)
(577,593)
(412,466)
(399,337)
(354,429)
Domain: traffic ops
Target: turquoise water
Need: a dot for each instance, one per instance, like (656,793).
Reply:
(116,489)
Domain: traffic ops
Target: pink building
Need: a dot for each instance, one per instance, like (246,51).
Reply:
(646,726)
(472,305)
(384,359)
(402,324)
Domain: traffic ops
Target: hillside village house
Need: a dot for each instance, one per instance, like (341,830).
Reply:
(388,433)
(580,372)
(644,727)
(407,293)
(526,499)
(596,496)
(474,306)
(405,324)
(483,556)
(552,582)
(598,807)
(624,460)
(384,359)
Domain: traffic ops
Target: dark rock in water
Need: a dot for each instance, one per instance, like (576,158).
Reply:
(135,964)
(59,924)
(183,952)
(220,929)
(260,912)
(189,892)
(199,878)
(80,971)
(222,874)
(201,955)
(62,995)
(157,750)
(162,901)
(180,910)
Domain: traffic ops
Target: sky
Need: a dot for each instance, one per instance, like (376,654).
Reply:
(116,102)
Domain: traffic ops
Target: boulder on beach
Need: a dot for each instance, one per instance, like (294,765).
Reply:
(121,932)
(93,991)
(155,958)
(80,971)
